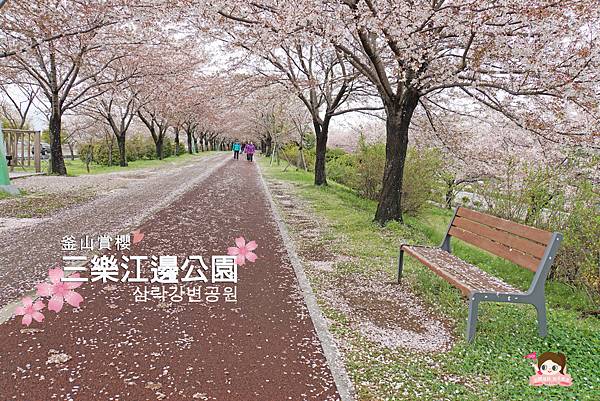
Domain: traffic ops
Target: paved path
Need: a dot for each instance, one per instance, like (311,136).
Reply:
(262,347)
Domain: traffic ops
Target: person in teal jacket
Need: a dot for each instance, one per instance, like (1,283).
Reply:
(236,147)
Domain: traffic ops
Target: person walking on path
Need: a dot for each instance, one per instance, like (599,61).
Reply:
(237,146)
(250,149)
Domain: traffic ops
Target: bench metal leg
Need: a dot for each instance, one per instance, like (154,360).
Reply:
(472,322)
(541,318)
(400,264)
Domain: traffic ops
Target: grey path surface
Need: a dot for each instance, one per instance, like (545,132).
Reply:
(28,251)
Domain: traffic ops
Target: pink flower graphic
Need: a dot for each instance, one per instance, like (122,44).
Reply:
(30,311)
(137,236)
(60,291)
(243,251)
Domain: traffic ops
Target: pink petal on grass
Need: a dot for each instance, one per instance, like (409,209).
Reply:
(19,310)
(232,251)
(251,256)
(240,242)
(45,289)
(55,275)
(26,320)
(55,304)
(251,245)
(73,299)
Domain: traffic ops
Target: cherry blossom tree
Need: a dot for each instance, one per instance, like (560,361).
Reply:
(66,48)
(499,54)
(116,108)
(75,129)
(318,75)
(17,100)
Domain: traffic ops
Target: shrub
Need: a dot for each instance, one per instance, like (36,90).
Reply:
(168,148)
(420,180)
(548,199)
(342,169)
(182,148)
(578,260)
(290,152)
(363,172)
(334,153)
(310,156)
(369,163)
(137,147)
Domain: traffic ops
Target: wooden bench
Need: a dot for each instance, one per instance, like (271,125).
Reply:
(528,247)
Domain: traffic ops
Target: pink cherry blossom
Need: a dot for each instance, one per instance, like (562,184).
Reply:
(138,236)
(243,251)
(60,291)
(30,311)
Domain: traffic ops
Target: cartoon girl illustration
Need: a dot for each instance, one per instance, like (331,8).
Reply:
(551,370)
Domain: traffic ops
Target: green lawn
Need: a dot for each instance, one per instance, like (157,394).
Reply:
(77,167)
(492,367)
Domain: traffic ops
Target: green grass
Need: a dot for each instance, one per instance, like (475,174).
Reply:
(492,367)
(77,167)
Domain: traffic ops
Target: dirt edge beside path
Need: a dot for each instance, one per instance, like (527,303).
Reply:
(330,349)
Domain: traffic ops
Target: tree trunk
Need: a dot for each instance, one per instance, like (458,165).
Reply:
(189,141)
(110,151)
(399,114)
(268,145)
(302,163)
(176,141)
(71,151)
(321,133)
(450,193)
(122,150)
(57,162)
(159,148)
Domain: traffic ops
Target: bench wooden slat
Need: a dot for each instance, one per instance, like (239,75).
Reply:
(462,275)
(514,255)
(512,241)
(455,282)
(531,233)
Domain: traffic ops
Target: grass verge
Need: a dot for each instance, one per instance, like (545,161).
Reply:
(492,367)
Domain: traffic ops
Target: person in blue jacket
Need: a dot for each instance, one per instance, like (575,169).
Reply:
(236,147)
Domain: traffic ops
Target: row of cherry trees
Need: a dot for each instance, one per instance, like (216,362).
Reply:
(214,71)
(105,66)
(534,62)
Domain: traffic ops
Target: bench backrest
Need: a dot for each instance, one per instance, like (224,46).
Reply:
(523,245)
